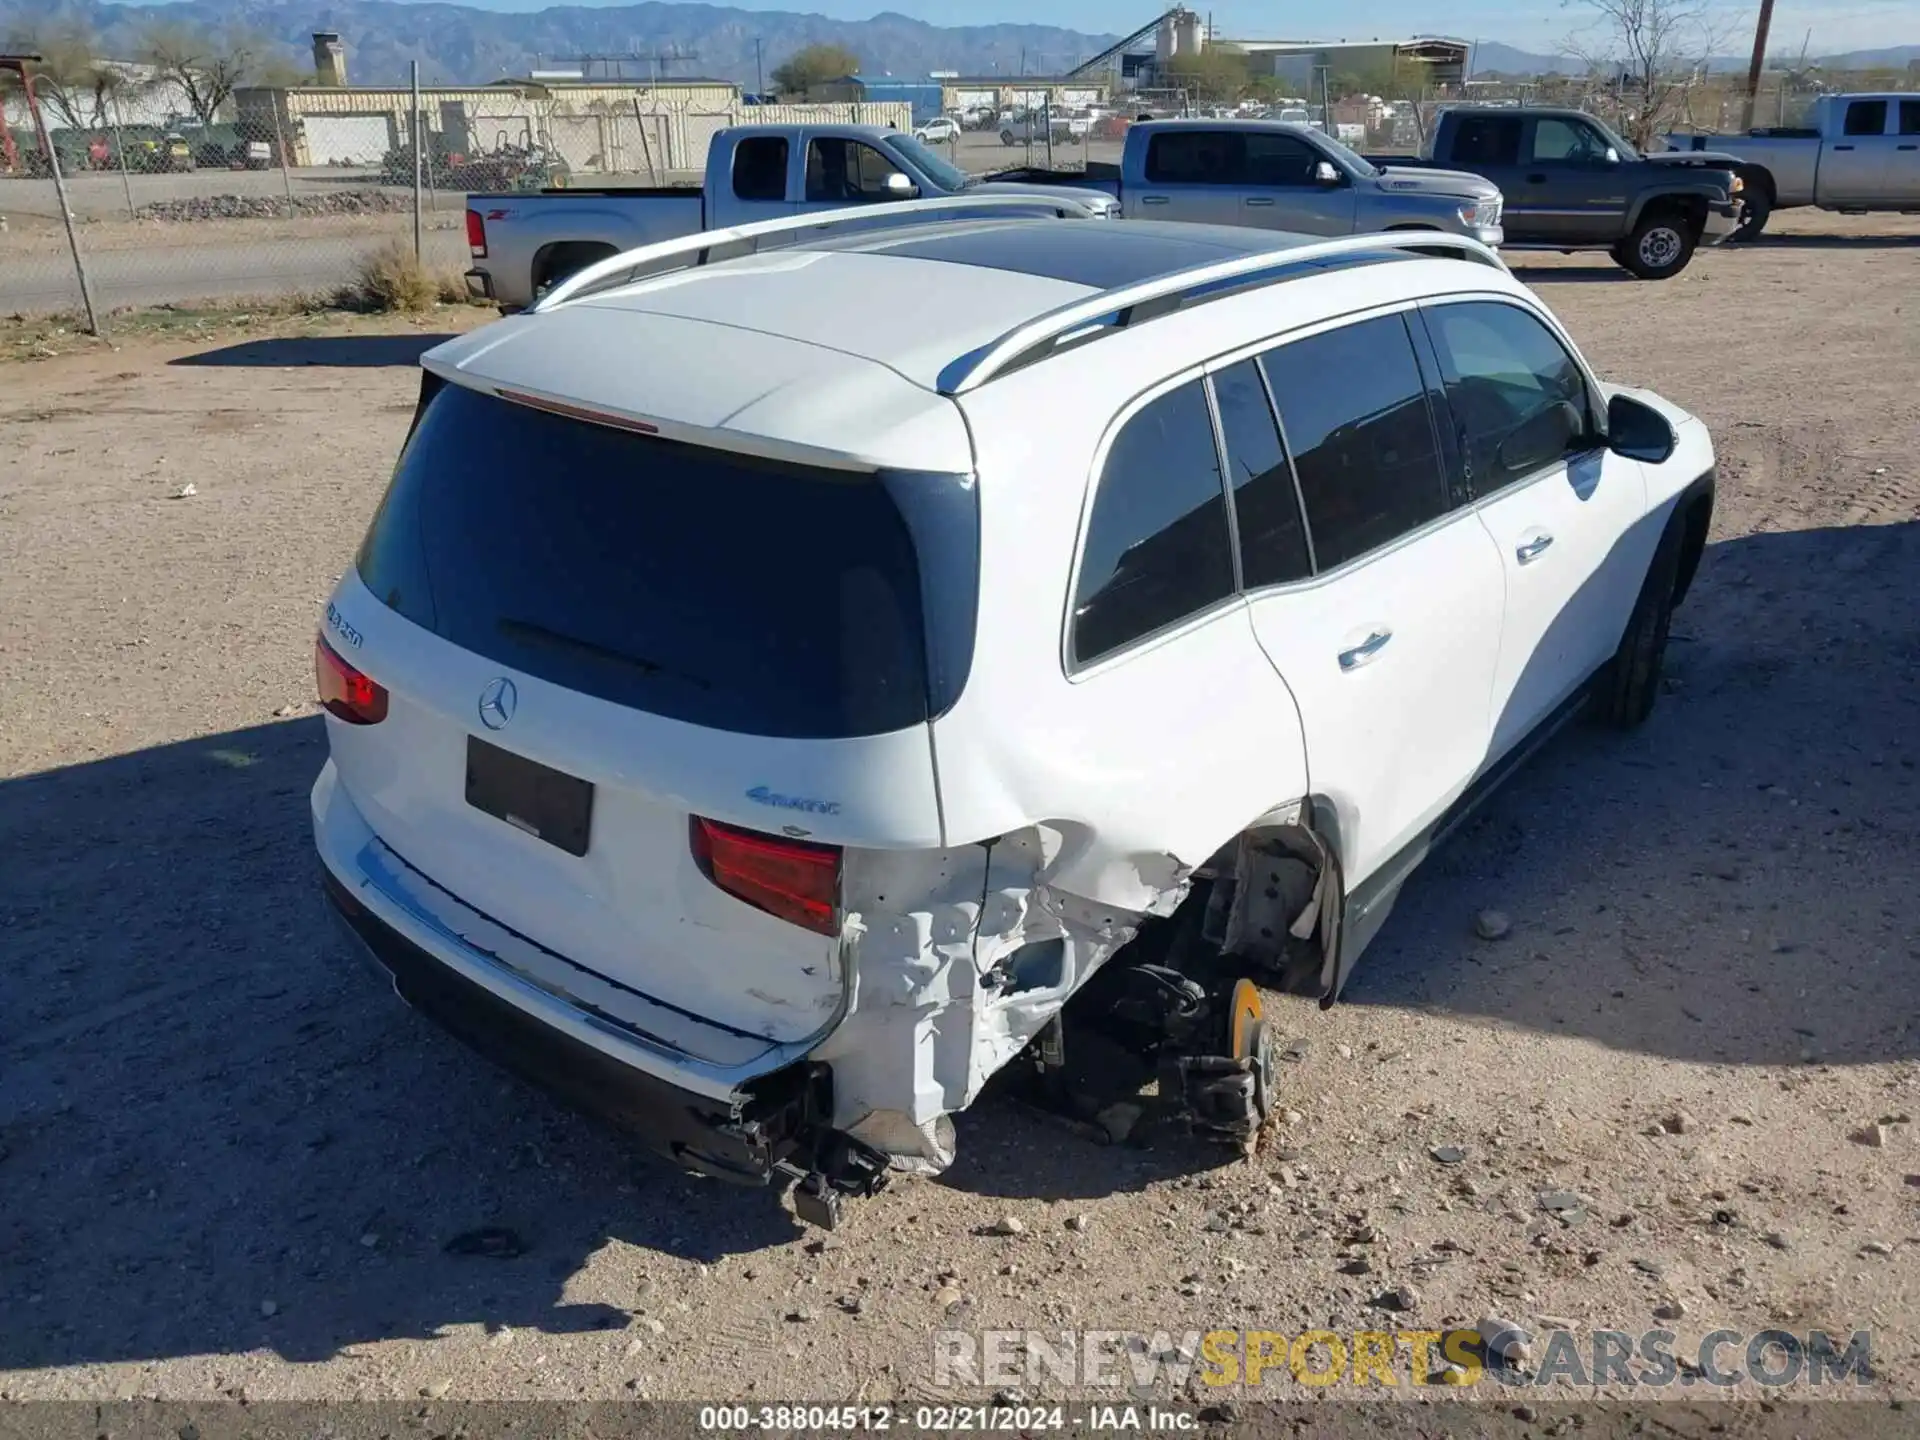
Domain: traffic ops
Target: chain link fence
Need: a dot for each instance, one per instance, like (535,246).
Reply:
(279,201)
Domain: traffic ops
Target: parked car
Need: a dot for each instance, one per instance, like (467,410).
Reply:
(1281,177)
(1572,184)
(1861,153)
(941,130)
(524,243)
(1035,126)
(764,721)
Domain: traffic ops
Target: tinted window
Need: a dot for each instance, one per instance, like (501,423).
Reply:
(760,168)
(1486,140)
(1195,157)
(1156,549)
(1867,117)
(1518,399)
(1910,117)
(708,587)
(1279,160)
(1273,542)
(847,172)
(1568,142)
(1355,413)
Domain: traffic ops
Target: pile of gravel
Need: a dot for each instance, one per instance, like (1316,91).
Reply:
(274,207)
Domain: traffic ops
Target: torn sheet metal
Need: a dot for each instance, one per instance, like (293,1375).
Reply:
(958,959)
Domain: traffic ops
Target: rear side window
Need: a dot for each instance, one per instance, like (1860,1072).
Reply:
(1266,507)
(1486,140)
(1195,157)
(1517,398)
(760,168)
(1156,549)
(1356,417)
(757,597)
(1867,117)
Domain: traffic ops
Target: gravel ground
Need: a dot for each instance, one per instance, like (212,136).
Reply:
(231,1161)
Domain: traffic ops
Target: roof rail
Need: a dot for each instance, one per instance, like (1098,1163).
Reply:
(628,266)
(1144,300)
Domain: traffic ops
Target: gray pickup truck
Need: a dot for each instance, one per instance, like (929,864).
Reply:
(1861,153)
(1278,176)
(1573,184)
(524,244)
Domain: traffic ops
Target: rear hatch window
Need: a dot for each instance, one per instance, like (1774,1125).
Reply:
(726,591)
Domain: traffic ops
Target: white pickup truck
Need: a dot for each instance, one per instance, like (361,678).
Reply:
(524,244)
(1860,153)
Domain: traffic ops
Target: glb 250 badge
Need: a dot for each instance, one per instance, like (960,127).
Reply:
(337,623)
(761,795)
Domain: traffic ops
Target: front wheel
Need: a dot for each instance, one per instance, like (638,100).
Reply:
(1659,247)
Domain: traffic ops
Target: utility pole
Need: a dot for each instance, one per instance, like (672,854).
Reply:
(1759,60)
(759,74)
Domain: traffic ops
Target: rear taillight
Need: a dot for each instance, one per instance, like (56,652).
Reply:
(476,235)
(346,693)
(791,879)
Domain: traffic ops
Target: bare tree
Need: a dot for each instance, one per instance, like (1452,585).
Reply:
(72,81)
(206,69)
(1655,50)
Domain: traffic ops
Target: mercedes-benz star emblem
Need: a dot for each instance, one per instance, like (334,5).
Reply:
(497,702)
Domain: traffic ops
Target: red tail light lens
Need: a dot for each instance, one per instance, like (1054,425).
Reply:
(345,692)
(791,879)
(476,235)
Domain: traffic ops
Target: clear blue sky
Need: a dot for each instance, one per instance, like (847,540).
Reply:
(1538,25)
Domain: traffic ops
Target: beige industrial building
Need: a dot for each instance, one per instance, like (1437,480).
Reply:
(596,126)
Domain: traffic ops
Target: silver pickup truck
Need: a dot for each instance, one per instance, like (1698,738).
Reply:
(1861,153)
(524,244)
(1279,176)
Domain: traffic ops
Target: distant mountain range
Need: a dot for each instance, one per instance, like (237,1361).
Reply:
(1492,58)
(456,43)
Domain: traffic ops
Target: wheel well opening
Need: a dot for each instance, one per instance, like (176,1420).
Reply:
(554,263)
(1758,177)
(1694,521)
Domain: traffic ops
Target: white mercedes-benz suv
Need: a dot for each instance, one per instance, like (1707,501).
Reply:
(796,671)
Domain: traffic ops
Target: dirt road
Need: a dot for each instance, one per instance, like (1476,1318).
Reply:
(232,1162)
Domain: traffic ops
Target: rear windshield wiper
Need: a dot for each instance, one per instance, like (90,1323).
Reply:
(541,635)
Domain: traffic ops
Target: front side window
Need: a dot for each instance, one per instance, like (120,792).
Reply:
(1910,117)
(1519,400)
(1195,157)
(1487,140)
(847,172)
(1156,548)
(1279,160)
(1355,412)
(760,168)
(1867,117)
(1567,142)
(1266,507)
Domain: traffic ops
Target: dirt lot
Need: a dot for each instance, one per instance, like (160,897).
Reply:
(231,1161)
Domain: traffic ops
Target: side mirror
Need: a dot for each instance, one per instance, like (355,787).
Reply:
(1638,431)
(900,187)
(1613,156)
(1325,173)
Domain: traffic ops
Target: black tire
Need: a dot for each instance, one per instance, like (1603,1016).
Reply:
(1659,247)
(1756,210)
(1631,682)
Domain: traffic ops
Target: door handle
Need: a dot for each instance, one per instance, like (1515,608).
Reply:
(1268,199)
(1532,548)
(1843,147)
(1907,147)
(1153,199)
(1365,651)
(1536,179)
